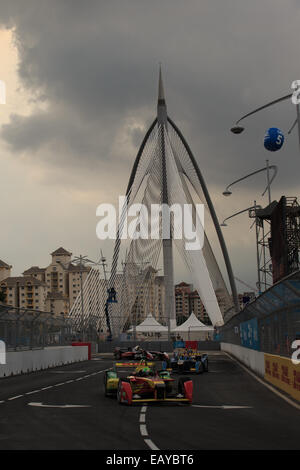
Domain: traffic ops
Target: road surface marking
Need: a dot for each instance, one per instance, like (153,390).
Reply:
(151,444)
(143,430)
(2,401)
(274,390)
(223,407)
(58,385)
(38,404)
(14,398)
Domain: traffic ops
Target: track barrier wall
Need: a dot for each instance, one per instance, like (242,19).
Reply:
(22,362)
(262,335)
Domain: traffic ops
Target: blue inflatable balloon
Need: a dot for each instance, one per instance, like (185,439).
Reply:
(274,139)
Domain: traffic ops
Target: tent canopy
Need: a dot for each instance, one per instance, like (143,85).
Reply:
(193,324)
(149,324)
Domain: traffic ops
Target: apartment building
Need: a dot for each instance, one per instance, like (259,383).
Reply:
(5,270)
(62,279)
(24,292)
(183,292)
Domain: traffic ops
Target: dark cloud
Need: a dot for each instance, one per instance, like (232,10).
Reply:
(95,64)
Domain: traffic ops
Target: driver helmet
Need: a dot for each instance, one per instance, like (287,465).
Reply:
(146,370)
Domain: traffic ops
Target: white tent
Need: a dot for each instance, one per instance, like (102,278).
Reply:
(150,329)
(194,329)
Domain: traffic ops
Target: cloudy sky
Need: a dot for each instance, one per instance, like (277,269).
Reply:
(81,83)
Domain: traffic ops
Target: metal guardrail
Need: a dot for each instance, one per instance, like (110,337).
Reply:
(271,322)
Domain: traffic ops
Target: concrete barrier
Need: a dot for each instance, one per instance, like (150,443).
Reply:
(22,362)
(255,360)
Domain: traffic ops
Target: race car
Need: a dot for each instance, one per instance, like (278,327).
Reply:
(189,361)
(145,384)
(160,356)
(132,353)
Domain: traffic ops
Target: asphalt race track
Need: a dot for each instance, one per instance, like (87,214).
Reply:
(231,410)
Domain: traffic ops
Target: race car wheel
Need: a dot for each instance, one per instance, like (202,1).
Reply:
(199,367)
(181,384)
(105,381)
(119,391)
(205,365)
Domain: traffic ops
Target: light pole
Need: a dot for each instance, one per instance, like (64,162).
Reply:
(248,209)
(238,129)
(267,168)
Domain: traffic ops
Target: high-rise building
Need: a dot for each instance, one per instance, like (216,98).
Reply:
(182,301)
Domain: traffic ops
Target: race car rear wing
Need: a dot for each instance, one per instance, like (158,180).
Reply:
(134,364)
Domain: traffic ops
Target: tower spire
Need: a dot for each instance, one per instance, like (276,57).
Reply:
(161,102)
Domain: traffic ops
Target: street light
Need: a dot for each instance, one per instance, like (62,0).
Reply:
(223,224)
(238,129)
(267,168)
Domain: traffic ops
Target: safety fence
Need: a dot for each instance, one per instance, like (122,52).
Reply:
(168,346)
(270,323)
(28,329)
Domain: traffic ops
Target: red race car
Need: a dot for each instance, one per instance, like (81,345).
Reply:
(136,353)
(147,385)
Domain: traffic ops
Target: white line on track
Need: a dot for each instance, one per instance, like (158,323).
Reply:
(151,444)
(57,406)
(56,385)
(143,430)
(223,407)
(17,396)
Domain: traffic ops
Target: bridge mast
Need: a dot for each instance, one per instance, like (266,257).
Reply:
(162,121)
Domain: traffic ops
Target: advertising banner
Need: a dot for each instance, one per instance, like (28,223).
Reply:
(249,334)
(282,373)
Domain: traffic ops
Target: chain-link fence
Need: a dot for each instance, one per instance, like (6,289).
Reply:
(28,329)
(271,322)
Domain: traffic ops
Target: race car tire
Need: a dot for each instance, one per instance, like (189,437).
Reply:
(104,381)
(204,361)
(201,367)
(181,384)
(120,387)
